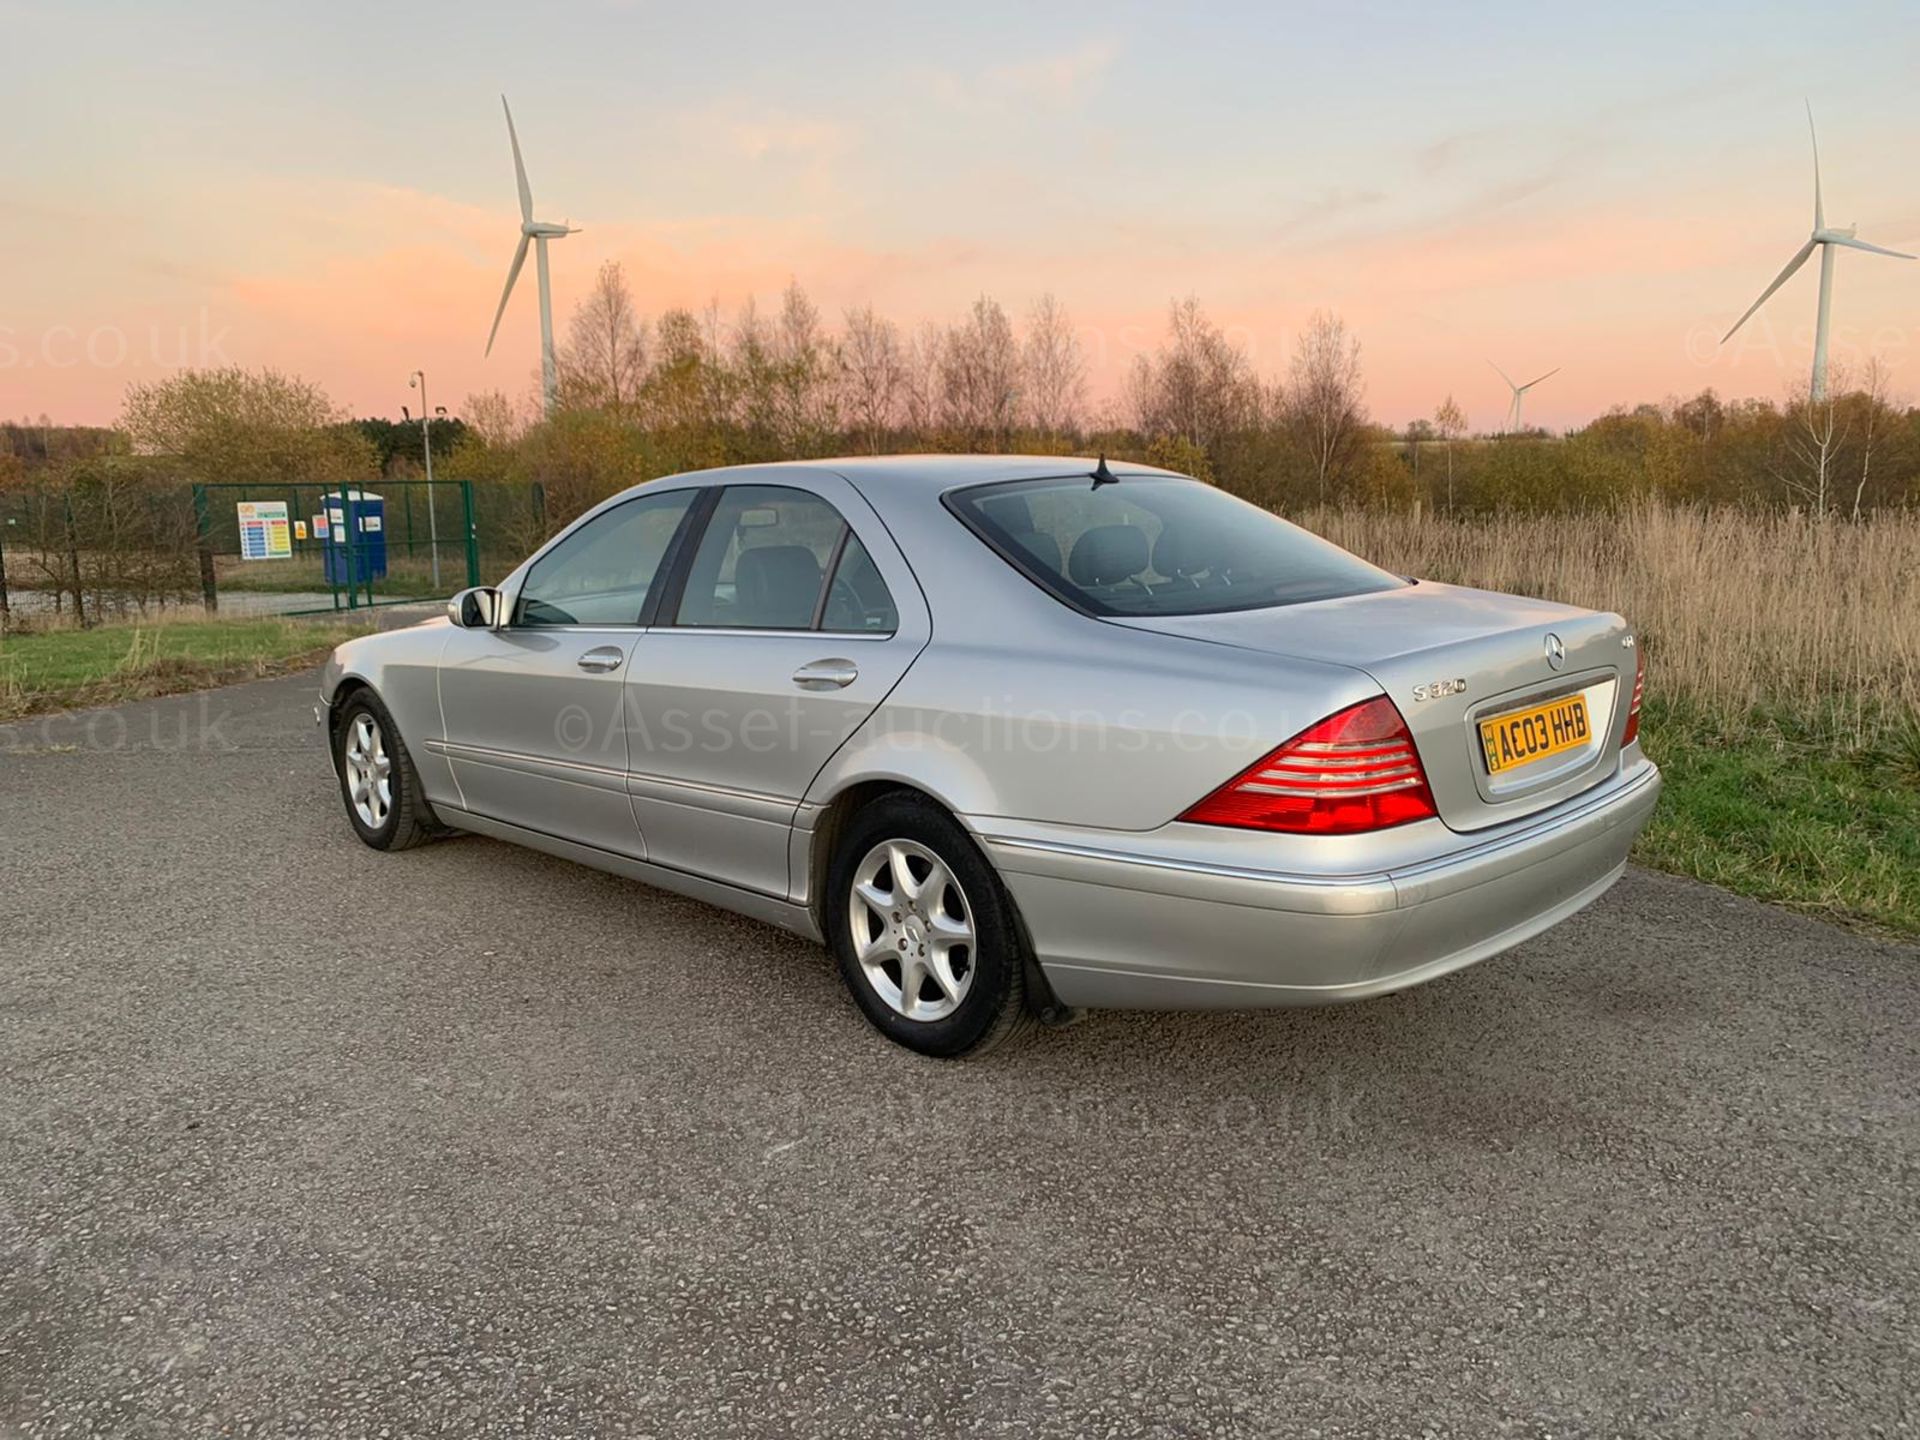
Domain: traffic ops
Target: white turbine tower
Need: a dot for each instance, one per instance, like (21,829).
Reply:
(1519,393)
(535,233)
(1824,240)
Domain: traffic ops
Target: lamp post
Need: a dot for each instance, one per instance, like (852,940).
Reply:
(418,381)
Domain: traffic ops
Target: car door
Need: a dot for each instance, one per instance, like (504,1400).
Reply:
(788,620)
(534,726)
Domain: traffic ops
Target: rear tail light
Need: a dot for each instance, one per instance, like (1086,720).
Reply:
(1356,770)
(1639,688)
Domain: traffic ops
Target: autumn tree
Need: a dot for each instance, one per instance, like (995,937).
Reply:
(252,425)
(603,363)
(687,400)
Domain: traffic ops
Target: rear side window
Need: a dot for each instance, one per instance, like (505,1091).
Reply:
(776,558)
(1158,545)
(859,600)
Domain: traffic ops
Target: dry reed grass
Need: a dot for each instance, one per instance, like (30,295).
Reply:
(1740,612)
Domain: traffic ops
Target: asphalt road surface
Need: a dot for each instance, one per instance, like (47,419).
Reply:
(300,1139)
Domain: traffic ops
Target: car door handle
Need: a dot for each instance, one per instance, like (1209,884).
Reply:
(602,659)
(826,675)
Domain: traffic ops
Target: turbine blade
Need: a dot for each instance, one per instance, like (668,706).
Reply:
(513,274)
(1853,244)
(519,166)
(1504,376)
(1819,211)
(1538,378)
(1785,275)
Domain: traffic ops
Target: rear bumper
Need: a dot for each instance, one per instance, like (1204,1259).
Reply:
(1128,928)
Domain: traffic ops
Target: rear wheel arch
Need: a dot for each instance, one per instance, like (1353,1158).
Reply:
(832,824)
(840,812)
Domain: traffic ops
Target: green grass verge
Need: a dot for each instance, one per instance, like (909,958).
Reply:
(1787,809)
(412,579)
(64,669)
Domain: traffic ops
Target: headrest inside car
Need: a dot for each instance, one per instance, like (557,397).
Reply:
(777,583)
(1108,554)
(1177,554)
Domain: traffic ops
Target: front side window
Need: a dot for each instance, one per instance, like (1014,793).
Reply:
(602,573)
(763,564)
(1158,545)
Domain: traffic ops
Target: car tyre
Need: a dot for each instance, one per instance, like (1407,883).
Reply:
(378,783)
(924,932)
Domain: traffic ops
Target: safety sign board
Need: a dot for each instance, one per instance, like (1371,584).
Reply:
(264,531)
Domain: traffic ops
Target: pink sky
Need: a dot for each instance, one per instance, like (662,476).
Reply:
(1613,236)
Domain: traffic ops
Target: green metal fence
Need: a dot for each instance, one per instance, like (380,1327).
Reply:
(119,543)
(392,542)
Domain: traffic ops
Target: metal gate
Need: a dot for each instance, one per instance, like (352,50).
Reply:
(309,549)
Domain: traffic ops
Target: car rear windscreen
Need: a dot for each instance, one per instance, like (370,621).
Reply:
(1158,545)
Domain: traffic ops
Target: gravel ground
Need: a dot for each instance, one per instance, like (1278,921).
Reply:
(299,1139)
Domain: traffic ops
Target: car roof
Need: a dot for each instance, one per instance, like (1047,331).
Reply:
(941,472)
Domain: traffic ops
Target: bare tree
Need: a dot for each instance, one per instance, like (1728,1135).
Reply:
(1419,432)
(1807,464)
(1198,388)
(1873,396)
(980,376)
(492,417)
(873,372)
(603,363)
(1451,424)
(1055,370)
(754,372)
(920,382)
(1325,413)
(807,411)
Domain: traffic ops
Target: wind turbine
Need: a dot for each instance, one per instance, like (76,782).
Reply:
(535,233)
(1519,393)
(1824,240)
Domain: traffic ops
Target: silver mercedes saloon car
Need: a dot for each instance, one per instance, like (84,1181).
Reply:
(1014,736)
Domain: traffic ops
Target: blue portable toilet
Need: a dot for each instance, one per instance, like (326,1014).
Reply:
(356,553)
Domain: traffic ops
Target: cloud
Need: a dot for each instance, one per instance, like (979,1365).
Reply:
(1441,154)
(1057,80)
(781,136)
(1063,77)
(1315,214)
(731,147)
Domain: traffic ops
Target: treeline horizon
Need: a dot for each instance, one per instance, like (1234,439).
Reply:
(640,398)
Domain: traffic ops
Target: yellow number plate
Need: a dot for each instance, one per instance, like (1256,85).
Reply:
(1521,737)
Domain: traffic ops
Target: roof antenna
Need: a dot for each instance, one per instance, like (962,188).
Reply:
(1102,475)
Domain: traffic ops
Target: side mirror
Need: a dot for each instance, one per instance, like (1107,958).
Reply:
(476,609)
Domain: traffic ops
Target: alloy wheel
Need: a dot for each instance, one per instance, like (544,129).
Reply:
(369,771)
(913,930)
